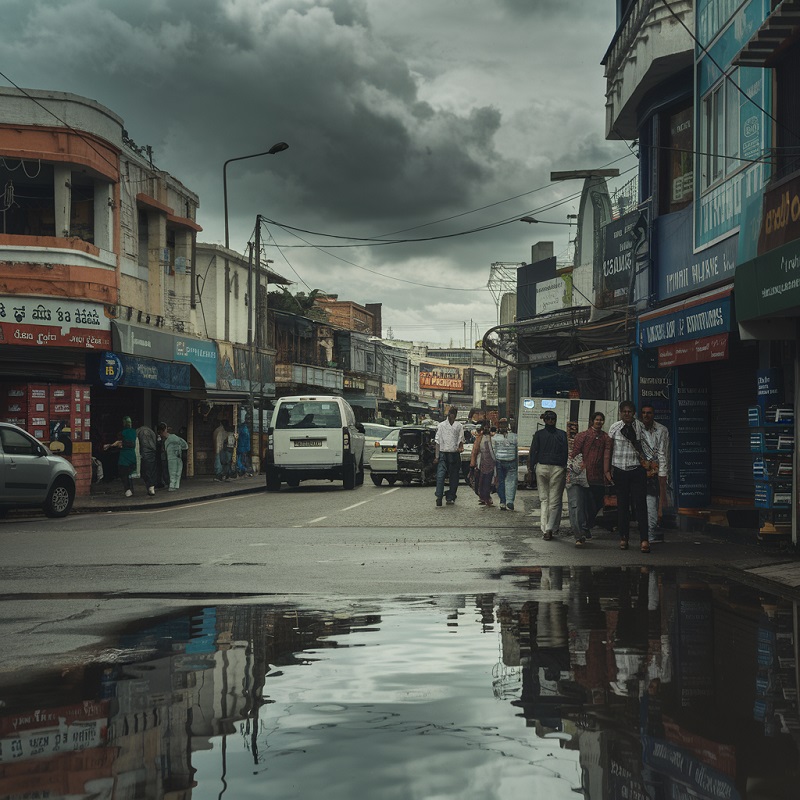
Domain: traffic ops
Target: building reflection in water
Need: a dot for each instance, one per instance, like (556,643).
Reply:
(656,684)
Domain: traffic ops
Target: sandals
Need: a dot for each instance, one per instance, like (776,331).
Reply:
(623,544)
(645,547)
(547,536)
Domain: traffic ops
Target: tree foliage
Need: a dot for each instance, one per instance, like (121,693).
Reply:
(298,303)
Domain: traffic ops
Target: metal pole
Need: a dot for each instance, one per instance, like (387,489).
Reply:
(250,371)
(257,337)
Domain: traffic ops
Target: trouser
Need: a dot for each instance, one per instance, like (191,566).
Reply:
(550,481)
(125,473)
(652,514)
(149,468)
(485,486)
(506,481)
(581,504)
(175,466)
(450,465)
(631,485)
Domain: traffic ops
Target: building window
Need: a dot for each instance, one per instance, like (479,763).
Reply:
(27,198)
(144,241)
(722,114)
(676,179)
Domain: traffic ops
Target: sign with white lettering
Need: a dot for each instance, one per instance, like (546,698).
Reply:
(770,284)
(550,295)
(682,272)
(696,351)
(694,320)
(625,245)
(45,322)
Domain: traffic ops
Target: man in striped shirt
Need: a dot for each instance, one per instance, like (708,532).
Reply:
(623,467)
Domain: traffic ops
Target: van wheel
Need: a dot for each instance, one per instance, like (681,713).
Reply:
(360,475)
(293,482)
(406,481)
(273,482)
(59,500)
(391,481)
(349,480)
(377,479)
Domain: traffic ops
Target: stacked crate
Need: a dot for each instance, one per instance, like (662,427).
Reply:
(70,406)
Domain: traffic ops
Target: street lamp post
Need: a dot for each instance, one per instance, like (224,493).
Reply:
(533,220)
(278,147)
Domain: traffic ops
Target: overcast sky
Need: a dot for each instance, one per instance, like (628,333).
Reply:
(399,114)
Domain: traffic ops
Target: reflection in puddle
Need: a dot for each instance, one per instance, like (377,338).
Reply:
(602,683)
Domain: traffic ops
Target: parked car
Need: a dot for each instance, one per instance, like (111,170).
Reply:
(384,459)
(374,432)
(313,437)
(30,475)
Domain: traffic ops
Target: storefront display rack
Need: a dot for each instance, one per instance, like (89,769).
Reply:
(772,445)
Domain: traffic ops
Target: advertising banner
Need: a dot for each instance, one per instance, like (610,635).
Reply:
(696,351)
(708,316)
(44,322)
(625,244)
(692,439)
(781,218)
(438,376)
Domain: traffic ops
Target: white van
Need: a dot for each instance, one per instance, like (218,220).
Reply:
(311,438)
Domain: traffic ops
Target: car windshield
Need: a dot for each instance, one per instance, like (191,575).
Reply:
(392,436)
(376,430)
(308,414)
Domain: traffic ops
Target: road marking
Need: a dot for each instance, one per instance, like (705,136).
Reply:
(318,519)
(389,491)
(176,507)
(355,505)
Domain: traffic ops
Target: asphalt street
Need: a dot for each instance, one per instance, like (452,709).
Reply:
(67,582)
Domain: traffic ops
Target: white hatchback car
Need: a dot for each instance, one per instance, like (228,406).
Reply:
(30,475)
(314,437)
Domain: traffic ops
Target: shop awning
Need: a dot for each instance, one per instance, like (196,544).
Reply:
(362,401)
(414,407)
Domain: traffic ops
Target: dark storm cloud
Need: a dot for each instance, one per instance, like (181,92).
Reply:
(397,114)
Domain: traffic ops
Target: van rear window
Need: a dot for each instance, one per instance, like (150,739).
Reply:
(308,415)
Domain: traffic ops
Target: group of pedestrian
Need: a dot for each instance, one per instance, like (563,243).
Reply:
(146,441)
(632,458)
(493,461)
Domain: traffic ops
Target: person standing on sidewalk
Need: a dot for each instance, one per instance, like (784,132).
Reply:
(624,469)
(483,462)
(174,447)
(589,449)
(147,453)
(506,448)
(449,446)
(548,456)
(655,443)
(126,443)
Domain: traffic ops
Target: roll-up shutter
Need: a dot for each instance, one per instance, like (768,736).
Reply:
(732,391)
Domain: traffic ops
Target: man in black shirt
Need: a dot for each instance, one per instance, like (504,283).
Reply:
(548,456)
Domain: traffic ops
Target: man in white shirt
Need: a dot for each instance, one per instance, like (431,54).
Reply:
(655,443)
(449,445)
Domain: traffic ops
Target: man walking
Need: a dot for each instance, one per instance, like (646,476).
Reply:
(624,469)
(548,456)
(586,496)
(506,447)
(655,443)
(449,446)
(148,447)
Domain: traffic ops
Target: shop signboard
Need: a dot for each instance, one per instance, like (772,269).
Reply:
(703,316)
(45,322)
(780,221)
(111,371)
(625,248)
(680,270)
(147,373)
(528,276)
(696,351)
(769,284)
(439,376)
(139,340)
(550,295)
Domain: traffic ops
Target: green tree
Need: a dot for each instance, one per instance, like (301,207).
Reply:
(298,303)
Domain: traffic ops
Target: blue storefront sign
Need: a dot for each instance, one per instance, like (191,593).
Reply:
(147,373)
(682,271)
(111,370)
(694,319)
(692,439)
(139,340)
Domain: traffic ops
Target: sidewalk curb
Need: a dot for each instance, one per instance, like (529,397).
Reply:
(177,501)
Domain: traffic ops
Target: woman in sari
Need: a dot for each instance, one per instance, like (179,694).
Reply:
(483,461)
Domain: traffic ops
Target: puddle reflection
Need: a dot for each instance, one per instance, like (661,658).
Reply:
(603,683)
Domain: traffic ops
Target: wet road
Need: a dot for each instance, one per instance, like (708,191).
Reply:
(319,629)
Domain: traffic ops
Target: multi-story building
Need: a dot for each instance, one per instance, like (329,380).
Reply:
(352,316)
(681,80)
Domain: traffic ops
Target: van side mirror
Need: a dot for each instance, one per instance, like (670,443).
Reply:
(360,427)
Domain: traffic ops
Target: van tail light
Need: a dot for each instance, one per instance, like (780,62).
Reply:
(346,438)
(270,454)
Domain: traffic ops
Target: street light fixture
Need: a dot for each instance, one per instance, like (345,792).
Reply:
(533,220)
(278,147)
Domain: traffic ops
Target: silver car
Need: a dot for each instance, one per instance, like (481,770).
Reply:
(384,459)
(30,475)
(373,433)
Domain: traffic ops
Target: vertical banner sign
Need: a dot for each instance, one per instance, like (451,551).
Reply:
(692,439)
(110,370)
(770,387)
